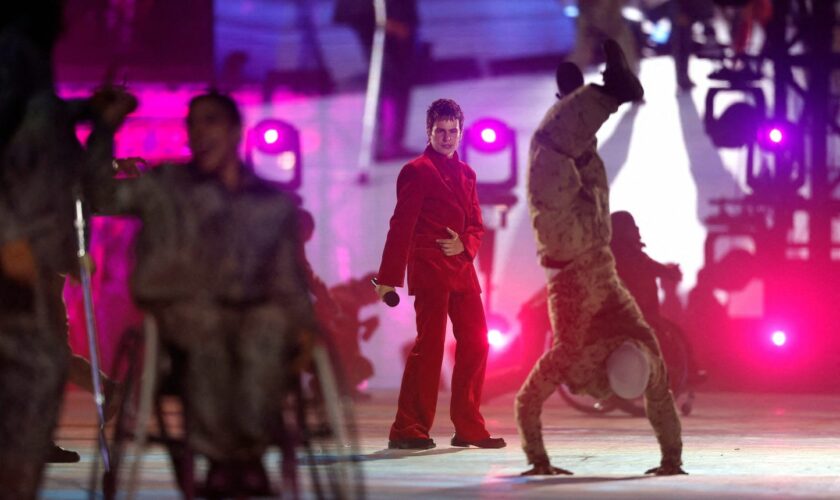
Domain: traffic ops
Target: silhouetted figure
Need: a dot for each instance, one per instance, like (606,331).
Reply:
(398,71)
(349,330)
(42,167)
(743,16)
(706,314)
(597,21)
(594,318)
(684,14)
(639,273)
(337,309)
(636,268)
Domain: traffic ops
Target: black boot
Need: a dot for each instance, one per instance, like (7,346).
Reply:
(619,80)
(58,455)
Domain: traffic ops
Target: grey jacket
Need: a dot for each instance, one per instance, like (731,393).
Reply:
(200,241)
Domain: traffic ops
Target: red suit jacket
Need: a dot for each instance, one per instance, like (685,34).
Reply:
(433,193)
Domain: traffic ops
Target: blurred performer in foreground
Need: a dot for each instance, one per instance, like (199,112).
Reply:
(42,168)
(219,266)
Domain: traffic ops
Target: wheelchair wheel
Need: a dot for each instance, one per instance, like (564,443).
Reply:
(127,367)
(136,366)
(329,434)
(672,341)
(586,404)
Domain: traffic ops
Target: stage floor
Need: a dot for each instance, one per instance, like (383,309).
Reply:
(736,445)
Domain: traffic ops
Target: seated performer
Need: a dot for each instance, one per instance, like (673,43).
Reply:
(219,267)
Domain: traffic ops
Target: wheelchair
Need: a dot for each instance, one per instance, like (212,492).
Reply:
(536,336)
(316,431)
(676,351)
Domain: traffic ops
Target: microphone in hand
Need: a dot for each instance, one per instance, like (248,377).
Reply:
(390,298)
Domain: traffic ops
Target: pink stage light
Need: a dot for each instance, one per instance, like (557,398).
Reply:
(488,135)
(271,136)
(273,149)
(778,135)
(779,338)
(497,339)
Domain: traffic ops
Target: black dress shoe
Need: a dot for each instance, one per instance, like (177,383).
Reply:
(488,442)
(58,455)
(411,444)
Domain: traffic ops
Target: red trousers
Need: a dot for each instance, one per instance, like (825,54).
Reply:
(420,382)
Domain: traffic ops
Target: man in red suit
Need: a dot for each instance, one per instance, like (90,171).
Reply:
(435,231)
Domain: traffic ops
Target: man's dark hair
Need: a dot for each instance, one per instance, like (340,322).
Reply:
(444,109)
(569,78)
(225,101)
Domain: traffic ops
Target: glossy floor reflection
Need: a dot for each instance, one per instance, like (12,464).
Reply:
(744,446)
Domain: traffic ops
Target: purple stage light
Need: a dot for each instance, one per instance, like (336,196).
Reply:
(777,135)
(273,150)
(271,136)
(779,338)
(489,135)
(274,137)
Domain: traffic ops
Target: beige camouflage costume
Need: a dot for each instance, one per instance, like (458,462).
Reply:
(591,311)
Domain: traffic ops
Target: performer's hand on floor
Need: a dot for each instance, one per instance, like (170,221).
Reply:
(545,469)
(666,470)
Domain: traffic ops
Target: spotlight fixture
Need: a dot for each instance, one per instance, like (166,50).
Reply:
(776,135)
(737,125)
(779,338)
(273,150)
(488,137)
